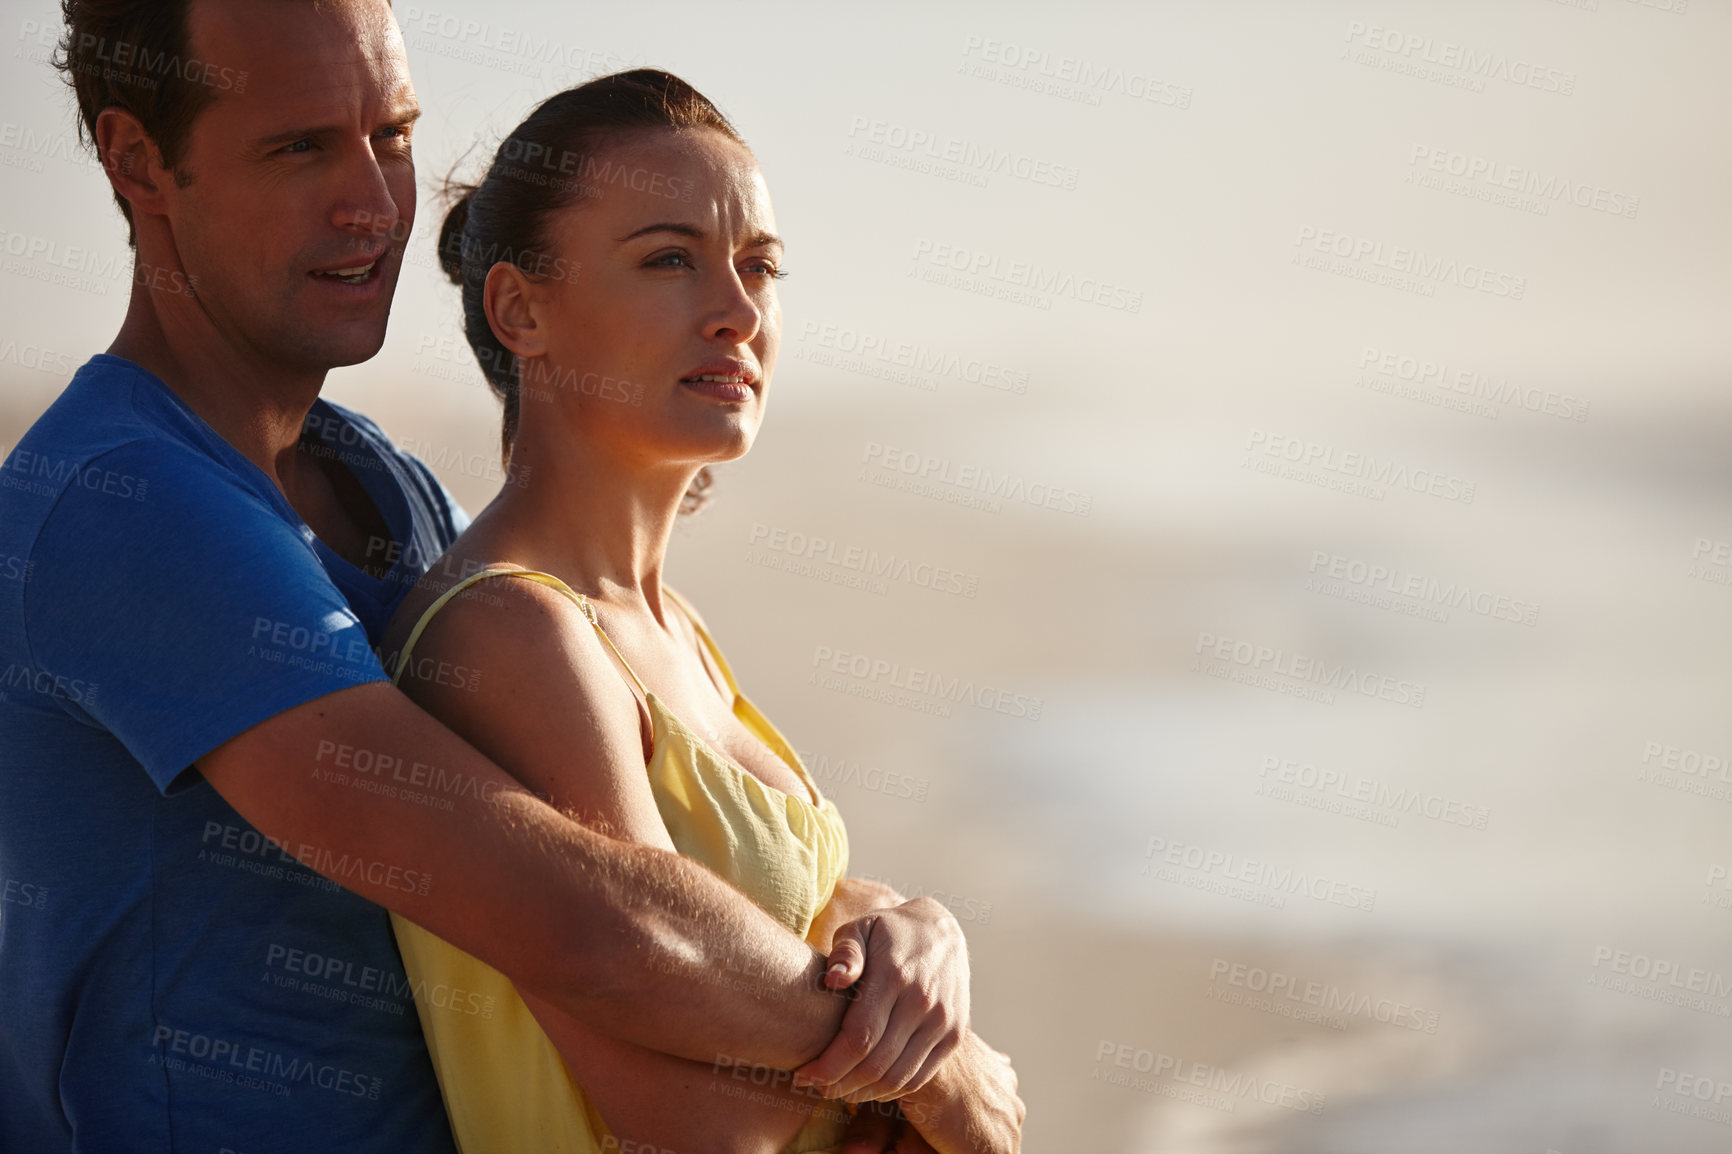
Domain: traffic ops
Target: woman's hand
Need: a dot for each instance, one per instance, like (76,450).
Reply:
(911,1006)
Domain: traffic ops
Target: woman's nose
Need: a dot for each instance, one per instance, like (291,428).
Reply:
(737,317)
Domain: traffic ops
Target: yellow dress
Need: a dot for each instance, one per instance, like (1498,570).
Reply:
(506,1089)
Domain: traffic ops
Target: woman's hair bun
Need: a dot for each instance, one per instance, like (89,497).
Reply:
(451,234)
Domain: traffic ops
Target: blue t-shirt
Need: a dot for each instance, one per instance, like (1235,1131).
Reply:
(169,979)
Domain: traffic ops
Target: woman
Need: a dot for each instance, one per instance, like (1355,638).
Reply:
(618,265)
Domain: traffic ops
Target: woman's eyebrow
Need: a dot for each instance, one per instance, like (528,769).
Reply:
(677,229)
(761,240)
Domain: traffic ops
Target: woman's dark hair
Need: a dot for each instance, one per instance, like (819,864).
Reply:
(550,161)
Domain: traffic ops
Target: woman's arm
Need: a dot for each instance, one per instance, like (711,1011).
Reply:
(550,698)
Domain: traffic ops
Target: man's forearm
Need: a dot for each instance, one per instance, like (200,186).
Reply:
(971,1106)
(689,966)
(642,944)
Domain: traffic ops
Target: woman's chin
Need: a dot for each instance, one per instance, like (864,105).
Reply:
(720,444)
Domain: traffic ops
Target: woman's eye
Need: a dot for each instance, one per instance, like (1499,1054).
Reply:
(669,260)
(764,268)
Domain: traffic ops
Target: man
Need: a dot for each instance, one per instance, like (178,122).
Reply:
(210,789)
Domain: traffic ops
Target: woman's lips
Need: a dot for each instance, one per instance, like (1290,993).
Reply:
(722,386)
(727,379)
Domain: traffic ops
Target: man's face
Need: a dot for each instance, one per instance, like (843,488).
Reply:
(302,189)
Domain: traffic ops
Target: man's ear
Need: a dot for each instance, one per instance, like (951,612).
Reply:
(510,300)
(132,160)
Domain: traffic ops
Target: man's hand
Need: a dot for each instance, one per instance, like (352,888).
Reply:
(971,1107)
(852,898)
(911,1009)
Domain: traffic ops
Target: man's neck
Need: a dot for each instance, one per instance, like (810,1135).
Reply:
(257,406)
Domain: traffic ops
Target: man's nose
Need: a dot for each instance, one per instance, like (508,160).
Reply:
(365,205)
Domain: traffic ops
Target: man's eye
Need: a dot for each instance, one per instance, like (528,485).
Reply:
(299,146)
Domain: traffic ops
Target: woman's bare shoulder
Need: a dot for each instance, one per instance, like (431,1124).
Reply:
(519,620)
(445,572)
(515,668)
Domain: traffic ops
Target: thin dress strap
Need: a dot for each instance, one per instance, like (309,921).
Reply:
(547,579)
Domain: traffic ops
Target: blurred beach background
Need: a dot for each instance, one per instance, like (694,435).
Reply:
(1243,519)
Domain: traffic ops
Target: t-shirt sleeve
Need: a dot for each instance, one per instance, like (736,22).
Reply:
(187,607)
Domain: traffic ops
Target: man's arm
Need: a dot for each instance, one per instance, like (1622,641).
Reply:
(624,937)
(972,1106)
(196,595)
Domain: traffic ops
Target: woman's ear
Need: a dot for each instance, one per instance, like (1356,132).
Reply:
(512,304)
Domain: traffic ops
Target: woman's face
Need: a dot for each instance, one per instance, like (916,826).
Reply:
(658,309)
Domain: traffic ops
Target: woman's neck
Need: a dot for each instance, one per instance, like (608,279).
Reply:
(595,521)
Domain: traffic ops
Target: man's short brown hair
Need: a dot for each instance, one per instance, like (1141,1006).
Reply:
(133,55)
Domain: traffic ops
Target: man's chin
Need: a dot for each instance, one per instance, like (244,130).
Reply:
(333,347)
(348,334)
(339,359)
